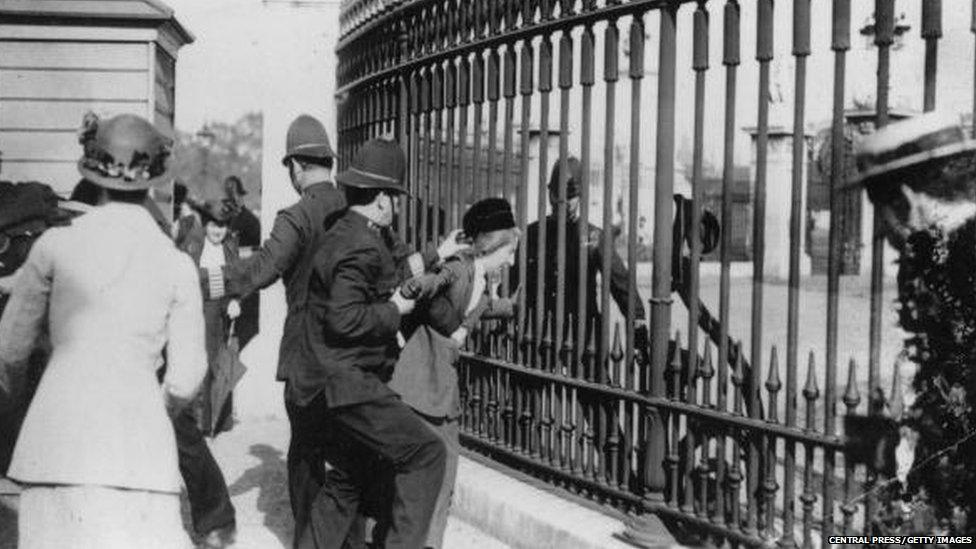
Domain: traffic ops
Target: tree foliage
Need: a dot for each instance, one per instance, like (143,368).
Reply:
(236,150)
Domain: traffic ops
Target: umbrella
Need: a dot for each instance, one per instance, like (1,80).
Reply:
(230,370)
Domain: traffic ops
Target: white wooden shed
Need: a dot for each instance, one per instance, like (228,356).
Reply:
(62,58)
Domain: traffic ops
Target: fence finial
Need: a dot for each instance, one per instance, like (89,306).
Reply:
(810,391)
(852,397)
(707,370)
(773,384)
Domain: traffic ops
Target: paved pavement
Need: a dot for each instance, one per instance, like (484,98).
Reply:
(252,457)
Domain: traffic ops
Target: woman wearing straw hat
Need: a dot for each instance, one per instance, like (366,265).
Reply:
(97,455)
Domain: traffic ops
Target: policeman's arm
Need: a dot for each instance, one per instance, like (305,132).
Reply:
(619,282)
(490,309)
(186,355)
(428,285)
(414,264)
(351,312)
(25,316)
(278,253)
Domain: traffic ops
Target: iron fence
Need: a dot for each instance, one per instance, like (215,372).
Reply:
(679,428)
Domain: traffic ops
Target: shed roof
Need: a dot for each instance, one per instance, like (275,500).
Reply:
(153,11)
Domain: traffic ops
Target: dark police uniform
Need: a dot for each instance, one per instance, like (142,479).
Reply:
(360,421)
(288,253)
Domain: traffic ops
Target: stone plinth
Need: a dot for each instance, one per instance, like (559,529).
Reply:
(779,196)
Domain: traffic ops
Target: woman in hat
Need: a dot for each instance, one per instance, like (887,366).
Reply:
(453,300)
(96,455)
(216,248)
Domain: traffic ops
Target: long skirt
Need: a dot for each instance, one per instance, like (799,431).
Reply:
(447,430)
(98,517)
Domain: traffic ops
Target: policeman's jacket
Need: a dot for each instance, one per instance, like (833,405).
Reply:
(352,323)
(618,278)
(288,254)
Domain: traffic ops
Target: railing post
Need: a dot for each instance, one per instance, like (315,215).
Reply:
(639,530)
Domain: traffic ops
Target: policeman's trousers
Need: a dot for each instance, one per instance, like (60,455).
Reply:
(358,441)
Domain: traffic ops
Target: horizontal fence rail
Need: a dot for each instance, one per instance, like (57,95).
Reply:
(593,386)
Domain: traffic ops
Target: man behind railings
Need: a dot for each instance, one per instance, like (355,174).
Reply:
(618,277)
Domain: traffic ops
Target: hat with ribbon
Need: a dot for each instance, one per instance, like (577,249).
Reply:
(307,139)
(575,177)
(485,216)
(379,164)
(124,153)
(909,143)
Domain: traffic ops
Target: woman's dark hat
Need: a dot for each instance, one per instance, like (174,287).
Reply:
(379,164)
(490,214)
(575,177)
(918,140)
(219,211)
(307,139)
(124,153)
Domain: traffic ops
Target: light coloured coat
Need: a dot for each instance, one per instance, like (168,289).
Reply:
(112,290)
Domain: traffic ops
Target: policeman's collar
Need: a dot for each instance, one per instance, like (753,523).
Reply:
(370,224)
(311,187)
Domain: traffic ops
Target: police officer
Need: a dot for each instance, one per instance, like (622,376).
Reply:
(287,254)
(576,232)
(355,311)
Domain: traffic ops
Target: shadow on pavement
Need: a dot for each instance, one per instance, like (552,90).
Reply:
(270,478)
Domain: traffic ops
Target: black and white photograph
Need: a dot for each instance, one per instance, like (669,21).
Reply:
(488,274)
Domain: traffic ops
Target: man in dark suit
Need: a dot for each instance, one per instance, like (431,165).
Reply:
(355,310)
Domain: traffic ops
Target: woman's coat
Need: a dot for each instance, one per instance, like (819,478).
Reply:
(113,291)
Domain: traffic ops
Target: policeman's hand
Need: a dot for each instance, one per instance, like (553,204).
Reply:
(233,309)
(403,304)
(451,245)
(460,335)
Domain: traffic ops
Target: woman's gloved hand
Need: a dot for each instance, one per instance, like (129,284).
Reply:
(233,309)
(460,335)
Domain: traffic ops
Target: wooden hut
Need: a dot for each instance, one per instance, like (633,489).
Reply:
(62,58)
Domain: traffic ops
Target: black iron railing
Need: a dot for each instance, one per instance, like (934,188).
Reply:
(568,394)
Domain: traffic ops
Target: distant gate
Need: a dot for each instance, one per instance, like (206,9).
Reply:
(699,430)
